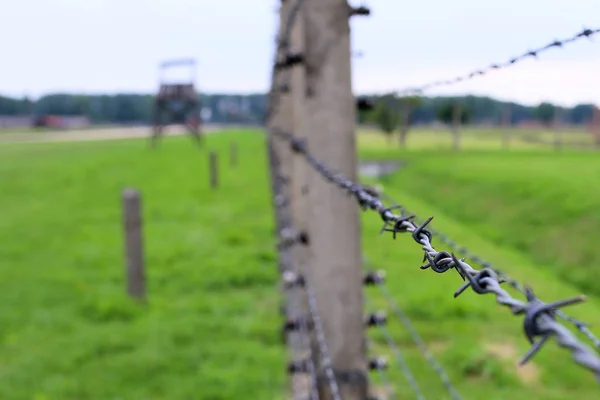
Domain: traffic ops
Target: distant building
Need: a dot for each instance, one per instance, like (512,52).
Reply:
(62,122)
(15,121)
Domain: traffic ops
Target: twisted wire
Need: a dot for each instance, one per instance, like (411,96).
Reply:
(283,221)
(320,334)
(400,358)
(584,33)
(282,47)
(579,325)
(539,318)
(415,336)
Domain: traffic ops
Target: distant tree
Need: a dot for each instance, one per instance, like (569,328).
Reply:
(445,113)
(407,107)
(385,115)
(544,112)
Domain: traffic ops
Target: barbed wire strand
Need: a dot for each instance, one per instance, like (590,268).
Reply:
(414,334)
(320,335)
(304,350)
(399,358)
(579,325)
(385,378)
(584,33)
(283,43)
(539,318)
(283,220)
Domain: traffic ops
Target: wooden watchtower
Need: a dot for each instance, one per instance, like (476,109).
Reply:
(177,102)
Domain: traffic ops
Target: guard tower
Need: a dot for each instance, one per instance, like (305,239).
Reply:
(177,102)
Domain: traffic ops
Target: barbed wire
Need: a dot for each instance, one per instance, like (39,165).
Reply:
(399,358)
(283,221)
(539,322)
(581,326)
(584,33)
(393,305)
(322,343)
(282,49)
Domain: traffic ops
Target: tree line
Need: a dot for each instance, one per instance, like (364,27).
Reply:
(130,108)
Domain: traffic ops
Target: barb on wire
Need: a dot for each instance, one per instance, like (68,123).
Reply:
(415,335)
(281,51)
(585,33)
(540,318)
(579,325)
(283,219)
(323,349)
(400,358)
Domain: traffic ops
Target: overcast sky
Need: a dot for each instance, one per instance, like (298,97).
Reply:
(115,45)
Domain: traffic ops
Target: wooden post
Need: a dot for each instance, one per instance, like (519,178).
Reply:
(134,255)
(333,224)
(506,125)
(213,169)
(456,122)
(405,110)
(557,128)
(233,154)
(596,125)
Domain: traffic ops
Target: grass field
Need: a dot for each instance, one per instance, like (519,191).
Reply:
(211,327)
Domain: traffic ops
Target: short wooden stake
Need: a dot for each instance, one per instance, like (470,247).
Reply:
(233,154)
(214,170)
(134,255)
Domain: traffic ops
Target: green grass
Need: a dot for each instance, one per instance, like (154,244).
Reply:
(210,328)
(67,331)
(476,138)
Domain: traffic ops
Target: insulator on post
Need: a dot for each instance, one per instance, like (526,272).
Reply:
(290,60)
(292,279)
(297,323)
(376,319)
(361,10)
(378,363)
(289,237)
(374,278)
(291,324)
(297,366)
(364,104)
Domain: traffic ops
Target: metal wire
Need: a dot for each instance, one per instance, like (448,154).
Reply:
(320,334)
(283,219)
(585,33)
(581,326)
(400,358)
(539,318)
(415,336)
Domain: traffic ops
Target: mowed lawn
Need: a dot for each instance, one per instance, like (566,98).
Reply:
(211,327)
(67,331)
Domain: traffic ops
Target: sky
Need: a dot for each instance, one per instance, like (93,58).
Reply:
(107,46)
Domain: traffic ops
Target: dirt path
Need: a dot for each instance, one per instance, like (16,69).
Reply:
(94,134)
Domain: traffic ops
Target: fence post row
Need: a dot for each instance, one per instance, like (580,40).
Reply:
(134,254)
(507,125)
(233,154)
(456,123)
(213,169)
